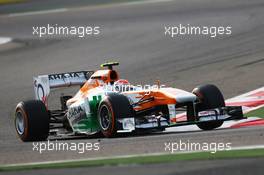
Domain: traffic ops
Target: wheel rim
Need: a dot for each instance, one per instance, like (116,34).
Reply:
(20,124)
(105,117)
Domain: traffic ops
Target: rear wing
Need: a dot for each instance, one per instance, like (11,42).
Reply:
(44,83)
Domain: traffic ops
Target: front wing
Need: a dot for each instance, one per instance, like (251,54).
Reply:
(217,114)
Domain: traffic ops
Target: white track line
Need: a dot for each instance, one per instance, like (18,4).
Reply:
(4,40)
(38,12)
(126,156)
(144,2)
(67,9)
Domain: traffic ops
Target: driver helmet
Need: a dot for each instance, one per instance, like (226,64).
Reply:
(122,85)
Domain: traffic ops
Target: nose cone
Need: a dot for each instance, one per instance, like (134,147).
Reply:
(181,96)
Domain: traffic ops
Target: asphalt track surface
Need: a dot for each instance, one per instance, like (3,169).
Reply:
(134,35)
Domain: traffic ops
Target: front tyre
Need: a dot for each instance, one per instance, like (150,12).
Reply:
(210,97)
(32,120)
(112,108)
(107,119)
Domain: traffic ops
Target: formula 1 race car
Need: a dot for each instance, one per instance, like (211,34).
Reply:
(108,105)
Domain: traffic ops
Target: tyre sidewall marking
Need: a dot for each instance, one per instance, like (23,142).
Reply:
(25,118)
(108,104)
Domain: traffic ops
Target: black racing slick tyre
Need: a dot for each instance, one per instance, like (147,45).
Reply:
(210,97)
(32,120)
(110,109)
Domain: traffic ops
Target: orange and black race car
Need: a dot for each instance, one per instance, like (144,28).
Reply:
(107,104)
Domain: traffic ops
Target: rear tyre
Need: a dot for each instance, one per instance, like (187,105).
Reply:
(32,121)
(113,107)
(210,97)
